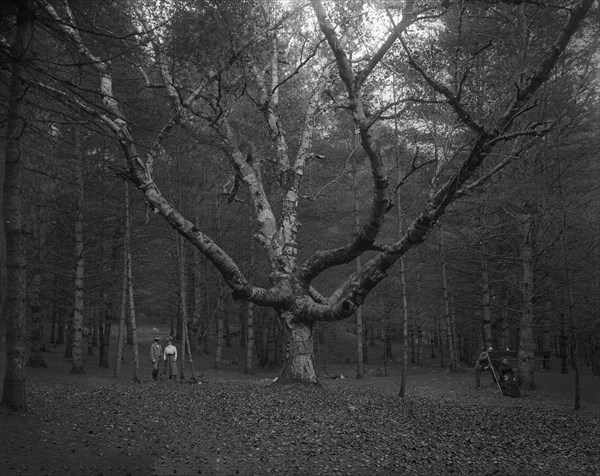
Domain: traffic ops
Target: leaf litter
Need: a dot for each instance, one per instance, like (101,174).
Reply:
(248,427)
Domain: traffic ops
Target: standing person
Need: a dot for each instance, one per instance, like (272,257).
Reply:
(170,357)
(156,352)
(482,364)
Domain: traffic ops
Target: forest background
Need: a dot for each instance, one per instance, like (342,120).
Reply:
(317,146)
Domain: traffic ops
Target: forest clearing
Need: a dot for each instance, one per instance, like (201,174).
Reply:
(231,423)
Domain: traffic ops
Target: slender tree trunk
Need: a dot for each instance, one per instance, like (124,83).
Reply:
(358,315)
(486,311)
(134,336)
(104,331)
(53,318)
(249,367)
(184,338)
(69,341)
(503,341)
(419,343)
(525,369)
(129,263)
(14,396)
(418,325)
(36,357)
(219,323)
(197,320)
(91,326)
(448,325)
(182,330)
(77,366)
(183,309)
(123,314)
(60,326)
(453,334)
(570,304)
(219,329)
(94,325)
(226,330)
(546,338)
(563,343)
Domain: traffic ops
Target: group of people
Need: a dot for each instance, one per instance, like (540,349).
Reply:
(504,376)
(168,356)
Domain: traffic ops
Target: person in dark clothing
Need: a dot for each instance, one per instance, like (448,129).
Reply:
(506,369)
(156,354)
(508,381)
(482,364)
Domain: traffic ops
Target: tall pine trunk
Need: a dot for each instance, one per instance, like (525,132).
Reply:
(13,390)
(36,357)
(104,331)
(77,331)
(570,302)
(249,366)
(183,301)
(450,344)
(485,298)
(124,295)
(526,365)
(129,263)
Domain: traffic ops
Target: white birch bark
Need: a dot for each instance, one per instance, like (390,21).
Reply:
(77,331)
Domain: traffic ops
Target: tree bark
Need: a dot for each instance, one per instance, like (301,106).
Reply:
(14,395)
(485,299)
(570,301)
(358,315)
(563,343)
(183,301)
(36,357)
(129,264)
(123,314)
(298,352)
(503,341)
(77,357)
(249,365)
(104,331)
(450,344)
(526,365)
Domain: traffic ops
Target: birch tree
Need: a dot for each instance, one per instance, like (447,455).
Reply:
(269,48)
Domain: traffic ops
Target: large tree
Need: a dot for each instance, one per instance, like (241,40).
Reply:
(13,390)
(235,74)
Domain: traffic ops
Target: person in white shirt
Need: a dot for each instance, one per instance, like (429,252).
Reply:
(170,358)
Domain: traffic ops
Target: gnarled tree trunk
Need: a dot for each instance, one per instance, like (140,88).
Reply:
(298,363)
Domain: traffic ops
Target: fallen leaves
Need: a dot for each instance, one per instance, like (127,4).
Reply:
(252,427)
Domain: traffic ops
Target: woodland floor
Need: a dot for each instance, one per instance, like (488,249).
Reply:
(231,424)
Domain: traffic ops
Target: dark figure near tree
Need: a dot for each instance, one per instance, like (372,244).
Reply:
(483,363)
(508,380)
(156,354)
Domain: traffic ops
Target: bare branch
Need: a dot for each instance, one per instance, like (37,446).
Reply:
(453,100)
